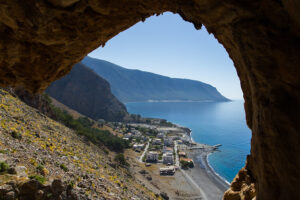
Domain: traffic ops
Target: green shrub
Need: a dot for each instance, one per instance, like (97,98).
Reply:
(16,135)
(120,159)
(83,126)
(40,167)
(160,155)
(105,151)
(64,167)
(70,183)
(38,178)
(144,158)
(185,164)
(4,151)
(3,166)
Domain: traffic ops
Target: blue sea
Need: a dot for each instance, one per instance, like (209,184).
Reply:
(211,123)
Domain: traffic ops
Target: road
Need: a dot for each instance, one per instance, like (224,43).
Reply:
(145,151)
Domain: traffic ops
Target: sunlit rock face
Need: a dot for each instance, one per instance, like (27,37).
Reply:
(41,41)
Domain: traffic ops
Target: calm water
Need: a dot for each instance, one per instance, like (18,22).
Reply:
(211,123)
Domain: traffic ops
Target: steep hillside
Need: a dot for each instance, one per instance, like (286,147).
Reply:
(60,164)
(89,94)
(135,85)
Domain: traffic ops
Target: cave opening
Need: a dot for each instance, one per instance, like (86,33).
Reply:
(42,40)
(169,46)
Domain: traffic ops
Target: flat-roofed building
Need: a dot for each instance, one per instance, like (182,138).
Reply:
(152,156)
(168,158)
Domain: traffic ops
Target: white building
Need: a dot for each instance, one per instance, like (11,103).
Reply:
(157,141)
(152,156)
(168,142)
(167,170)
(160,135)
(168,158)
(128,135)
(138,147)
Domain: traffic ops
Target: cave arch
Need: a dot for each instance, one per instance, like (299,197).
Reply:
(42,39)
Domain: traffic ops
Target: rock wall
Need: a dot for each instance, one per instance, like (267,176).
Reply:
(41,40)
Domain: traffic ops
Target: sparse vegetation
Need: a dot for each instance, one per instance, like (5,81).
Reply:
(83,126)
(3,167)
(16,135)
(40,167)
(144,158)
(164,122)
(38,178)
(160,155)
(64,167)
(185,165)
(120,159)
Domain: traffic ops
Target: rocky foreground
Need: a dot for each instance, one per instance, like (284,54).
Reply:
(42,159)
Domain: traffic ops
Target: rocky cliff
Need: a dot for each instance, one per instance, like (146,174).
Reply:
(89,94)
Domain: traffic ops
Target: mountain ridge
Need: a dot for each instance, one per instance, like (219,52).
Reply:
(133,85)
(88,93)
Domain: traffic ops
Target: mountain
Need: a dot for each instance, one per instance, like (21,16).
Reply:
(89,94)
(135,85)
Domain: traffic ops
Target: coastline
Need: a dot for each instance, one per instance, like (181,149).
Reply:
(216,176)
(199,182)
(203,173)
(214,172)
(212,185)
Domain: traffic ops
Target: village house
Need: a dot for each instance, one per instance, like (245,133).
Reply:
(168,158)
(179,142)
(157,141)
(160,135)
(182,154)
(128,135)
(138,147)
(167,149)
(170,170)
(168,142)
(152,156)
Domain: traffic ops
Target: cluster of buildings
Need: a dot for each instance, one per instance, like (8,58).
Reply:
(161,147)
(135,134)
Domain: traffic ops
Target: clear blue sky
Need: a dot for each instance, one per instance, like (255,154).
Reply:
(170,46)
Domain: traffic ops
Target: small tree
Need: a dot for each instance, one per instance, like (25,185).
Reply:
(120,159)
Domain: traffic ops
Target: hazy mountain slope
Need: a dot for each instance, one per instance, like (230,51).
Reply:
(89,94)
(135,85)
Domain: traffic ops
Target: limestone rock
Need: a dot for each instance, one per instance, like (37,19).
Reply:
(21,171)
(242,187)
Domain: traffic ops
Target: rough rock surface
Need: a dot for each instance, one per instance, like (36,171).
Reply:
(242,187)
(42,39)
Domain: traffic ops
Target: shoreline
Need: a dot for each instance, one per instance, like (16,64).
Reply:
(208,166)
(214,172)
(202,177)
(212,185)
